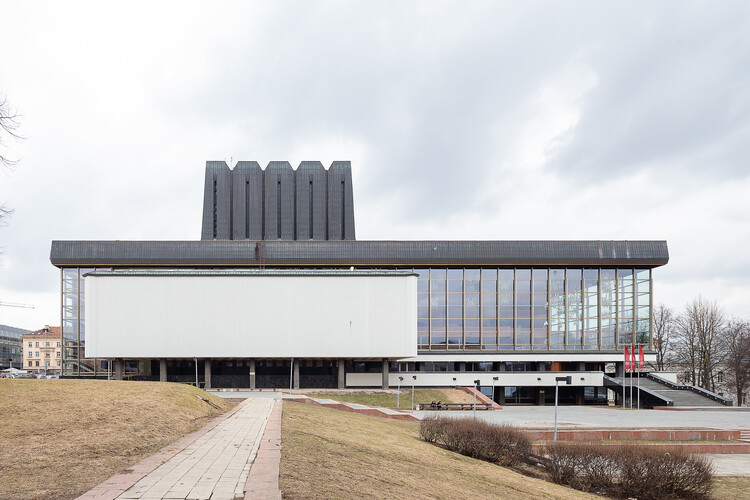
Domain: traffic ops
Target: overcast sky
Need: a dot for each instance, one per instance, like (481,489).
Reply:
(462,120)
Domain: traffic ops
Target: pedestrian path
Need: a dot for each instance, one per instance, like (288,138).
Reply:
(215,466)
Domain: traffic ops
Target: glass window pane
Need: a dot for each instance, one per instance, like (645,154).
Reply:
(574,274)
(85,270)
(523,286)
(455,311)
(625,273)
(505,274)
(523,299)
(437,274)
(423,285)
(455,299)
(70,286)
(505,286)
(489,299)
(642,274)
(438,312)
(539,274)
(472,312)
(455,274)
(471,299)
(437,286)
(608,274)
(472,274)
(489,286)
(489,274)
(70,312)
(455,286)
(472,286)
(523,274)
(70,299)
(591,274)
(540,286)
(437,299)
(70,273)
(505,311)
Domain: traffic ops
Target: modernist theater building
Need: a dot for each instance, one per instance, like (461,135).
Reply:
(278,292)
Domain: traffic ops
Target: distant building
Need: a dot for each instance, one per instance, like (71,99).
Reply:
(10,346)
(42,350)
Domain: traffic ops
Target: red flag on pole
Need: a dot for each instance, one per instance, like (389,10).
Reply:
(627,358)
(633,364)
(640,356)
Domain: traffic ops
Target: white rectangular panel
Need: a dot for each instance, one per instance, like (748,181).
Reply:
(272,316)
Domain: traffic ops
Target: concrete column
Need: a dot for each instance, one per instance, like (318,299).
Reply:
(619,369)
(579,396)
(207,373)
(252,374)
(386,384)
(581,366)
(119,368)
(502,368)
(500,395)
(342,374)
(540,366)
(295,381)
(462,367)
(539,397)
(162,370)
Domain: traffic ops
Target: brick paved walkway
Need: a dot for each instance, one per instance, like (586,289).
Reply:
(215,466)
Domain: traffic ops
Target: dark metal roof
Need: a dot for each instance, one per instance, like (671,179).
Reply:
(358,253)
(251,272)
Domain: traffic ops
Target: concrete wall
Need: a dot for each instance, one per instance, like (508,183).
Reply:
(214,316)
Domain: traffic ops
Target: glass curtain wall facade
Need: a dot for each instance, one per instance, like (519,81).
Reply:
(541,309)
(74,362)
(487,309)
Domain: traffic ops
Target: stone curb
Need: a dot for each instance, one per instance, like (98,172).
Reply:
(119,483)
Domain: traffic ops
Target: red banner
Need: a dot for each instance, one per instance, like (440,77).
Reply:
(627,358)
(640,356)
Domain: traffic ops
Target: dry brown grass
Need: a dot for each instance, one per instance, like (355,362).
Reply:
(388,398)
(333,454)
(59,438)
(731,488)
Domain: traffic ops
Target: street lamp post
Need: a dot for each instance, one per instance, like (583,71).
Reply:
(476,385)
(413,381)
(195,362)
(398,396)
(568,381)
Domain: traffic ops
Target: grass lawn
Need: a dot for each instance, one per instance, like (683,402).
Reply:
(731,488)
(59,438)
(328,454)
(388,399)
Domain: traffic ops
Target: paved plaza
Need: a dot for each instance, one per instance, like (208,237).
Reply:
(216,465)
(588,416)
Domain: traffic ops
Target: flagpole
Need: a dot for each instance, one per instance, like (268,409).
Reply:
(624,365)
(632,348)
(640,367)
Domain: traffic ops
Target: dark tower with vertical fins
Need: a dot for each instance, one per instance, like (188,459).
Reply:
(278,203)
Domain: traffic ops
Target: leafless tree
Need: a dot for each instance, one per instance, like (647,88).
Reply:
(664,333)
(737,363)
(9,123)
(699,345)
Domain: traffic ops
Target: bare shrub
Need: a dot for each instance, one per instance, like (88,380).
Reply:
(503,444)
(629,471)
(649,472)
(431,429)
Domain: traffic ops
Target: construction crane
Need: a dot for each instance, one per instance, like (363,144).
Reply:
(15,304)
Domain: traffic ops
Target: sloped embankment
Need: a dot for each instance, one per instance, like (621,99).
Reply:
(61,437)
